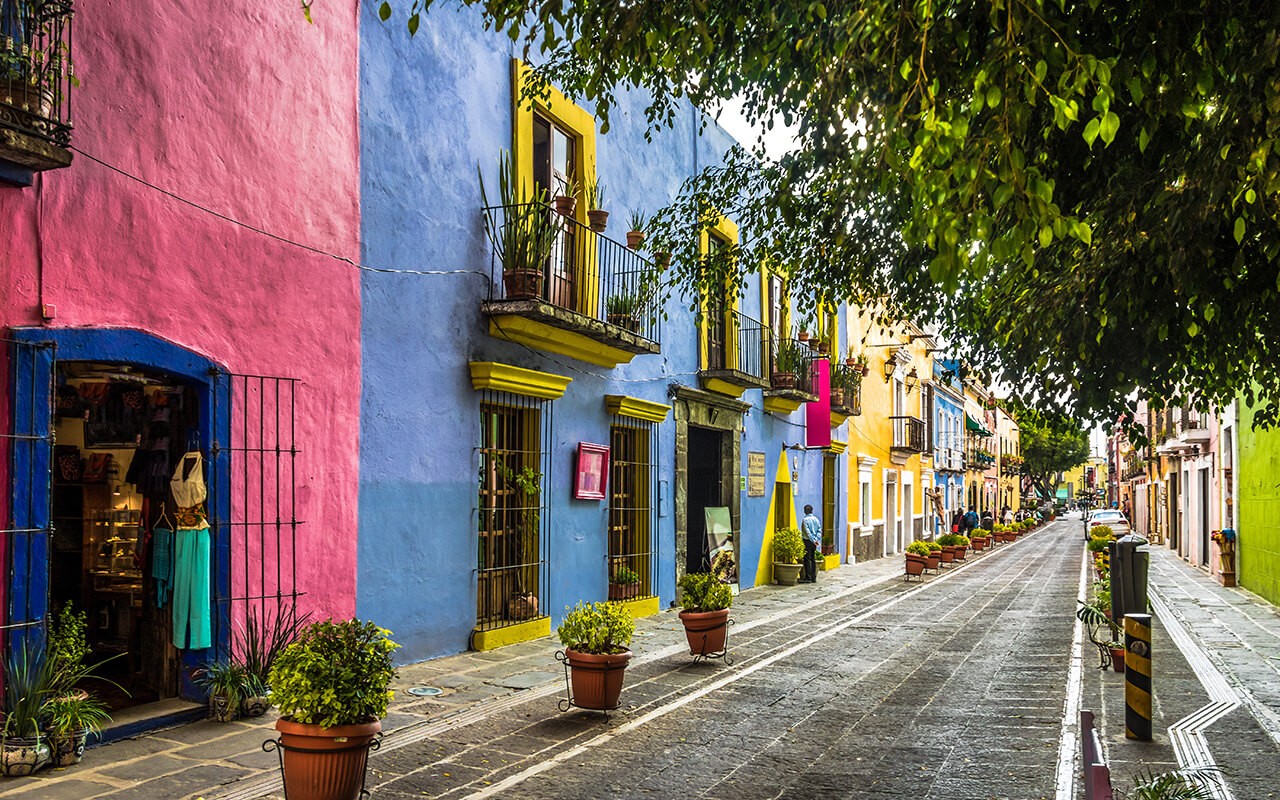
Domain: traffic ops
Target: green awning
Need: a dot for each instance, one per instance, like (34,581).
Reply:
(975,426)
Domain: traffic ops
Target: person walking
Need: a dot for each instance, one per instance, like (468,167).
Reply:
(1008,516)
(957,519)
(969,522)
(811,527)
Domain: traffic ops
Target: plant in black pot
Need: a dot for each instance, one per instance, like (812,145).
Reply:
(332,686)
(70,720)
(788,549)
(226,682)
(596,639)
(705,616)
(28,685)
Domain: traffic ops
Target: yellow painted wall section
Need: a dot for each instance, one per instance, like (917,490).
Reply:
(764,569)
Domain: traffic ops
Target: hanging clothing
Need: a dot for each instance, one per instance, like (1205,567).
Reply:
(187,484)
(192,618)
(162,564)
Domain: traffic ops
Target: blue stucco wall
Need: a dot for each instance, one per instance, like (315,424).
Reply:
(431,109)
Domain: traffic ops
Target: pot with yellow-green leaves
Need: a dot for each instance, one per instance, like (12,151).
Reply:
(917,558)
(788,549)
(705,616)
(596,639)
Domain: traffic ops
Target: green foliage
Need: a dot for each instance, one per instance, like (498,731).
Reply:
(68,647)
(524,230)
(788,546)
(624,575)
(1199,783)
(918,548)
(1101,532)
(29,681)
(593,193)
(227,678)
(953,540)
(622,305)
(637,220)
(933,546)
(1098,544)
(1094,616)
(262,640)
(962,541)
(597,628)
(1051,444)
(335,673)
(70,714)
(704,592)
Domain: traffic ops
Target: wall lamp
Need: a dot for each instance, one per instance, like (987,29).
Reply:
(913,378)
(889,366)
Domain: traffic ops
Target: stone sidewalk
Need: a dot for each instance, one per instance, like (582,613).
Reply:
(225,760)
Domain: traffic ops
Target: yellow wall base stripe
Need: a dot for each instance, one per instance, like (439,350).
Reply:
(641,607)
(512,634)
(829,562)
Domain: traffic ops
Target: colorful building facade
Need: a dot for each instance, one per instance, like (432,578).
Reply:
(948,438)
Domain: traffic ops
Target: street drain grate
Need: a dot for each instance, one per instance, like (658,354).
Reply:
(425,691)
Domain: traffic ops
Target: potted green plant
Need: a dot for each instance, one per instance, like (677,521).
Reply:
(933,559)
(635,236)
(1096,617)
(596,639)
(917,558)
(70,720)
(593,196)
(947,548)
(28,685)
(788,549)
(624,583)
(621,310)
(705,602)
(226,683)
(523,235)
(261,641)
(788,362)
(332,685)
(566,203)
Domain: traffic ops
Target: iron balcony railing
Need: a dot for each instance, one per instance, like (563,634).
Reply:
(803,370)
(908,434)
(35,68)
(846,389)
(541,255)
(948,458)
(736,342)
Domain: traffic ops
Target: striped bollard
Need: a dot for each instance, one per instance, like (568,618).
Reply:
(1137,676)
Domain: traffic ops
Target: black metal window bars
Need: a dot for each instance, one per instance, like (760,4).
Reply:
(908,434)
(538,254)
(36,75)
(745,344)
(803,370)
(513,553)
(633,509)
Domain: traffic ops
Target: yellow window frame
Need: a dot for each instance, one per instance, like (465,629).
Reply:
(582,126)
(767,273)
(728,231)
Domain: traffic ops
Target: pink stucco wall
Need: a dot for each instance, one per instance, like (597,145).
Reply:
(246,109)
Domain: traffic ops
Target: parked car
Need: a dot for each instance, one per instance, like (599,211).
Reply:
(1111,517)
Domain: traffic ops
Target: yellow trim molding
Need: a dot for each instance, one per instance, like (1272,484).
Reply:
(641,607)
(511,634)
(722,387)
(838,419)
(541,336)
(517,380)
(781,405)
(635,408)
(838,446)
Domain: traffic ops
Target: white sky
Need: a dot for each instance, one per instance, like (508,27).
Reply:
(776,142)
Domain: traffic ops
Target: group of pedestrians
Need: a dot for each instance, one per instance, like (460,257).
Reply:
(965,522)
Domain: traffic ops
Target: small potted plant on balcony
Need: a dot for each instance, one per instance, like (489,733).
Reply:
(566,203)
(635,236)
(332,686)
(621,311)
(788,361)
(523,237)
(596,639)
(788,549)
(839,379)
(917,558)
(863,364)
(70,721)
(624,584)
(706,602)
(593,196)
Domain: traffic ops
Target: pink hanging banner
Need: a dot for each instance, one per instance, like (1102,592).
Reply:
(817,415)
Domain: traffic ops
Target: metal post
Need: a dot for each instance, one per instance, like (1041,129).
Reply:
(1137,676)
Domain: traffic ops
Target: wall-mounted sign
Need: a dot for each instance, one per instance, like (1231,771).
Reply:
(755,474)
(592,476)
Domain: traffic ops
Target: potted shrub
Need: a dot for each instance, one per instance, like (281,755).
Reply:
(566,203)
(803,335)
(596,638)
(961,546)
(593,196)
(621,310)
(332,687)
(261,642)
(788,549)
(625,583)
(523,238)
(70,720)
(706,602)
(635,236)
(863,364)
(226,682)
(917,558)
(28,685)
(933,559)
(788,361)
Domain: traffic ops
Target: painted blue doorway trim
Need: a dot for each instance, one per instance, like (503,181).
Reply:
(126,346)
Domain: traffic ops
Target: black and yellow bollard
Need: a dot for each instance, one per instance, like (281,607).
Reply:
(1137,676)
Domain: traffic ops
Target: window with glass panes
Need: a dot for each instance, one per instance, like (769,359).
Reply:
(633,483)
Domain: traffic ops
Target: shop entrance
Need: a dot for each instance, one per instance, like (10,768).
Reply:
(120,434)
(705,489)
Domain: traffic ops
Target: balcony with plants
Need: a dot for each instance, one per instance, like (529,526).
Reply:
(564,287)
(846,391)
(36,78)
(736,349)
(791,376)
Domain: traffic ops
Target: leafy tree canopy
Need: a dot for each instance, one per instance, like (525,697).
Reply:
(1081,196)
(1050,443)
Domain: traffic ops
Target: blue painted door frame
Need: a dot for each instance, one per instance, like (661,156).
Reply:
(124,346)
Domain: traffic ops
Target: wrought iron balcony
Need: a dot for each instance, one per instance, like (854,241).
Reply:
(736,347)
(791,376)
(557,285)
(908,435)
(35,86)
(846,392)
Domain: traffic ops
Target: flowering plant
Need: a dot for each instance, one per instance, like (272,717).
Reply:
(1225,538)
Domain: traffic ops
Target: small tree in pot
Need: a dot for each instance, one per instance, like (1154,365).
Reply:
(788,549)
(332,687)
(596,638)
(705,616)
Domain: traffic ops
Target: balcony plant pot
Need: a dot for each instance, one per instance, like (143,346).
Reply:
(1117,658)
(522,284)
(663,259)
(635,239)
(324,763)
(598,220)
(565,205)
(783,380)
(823,347)
(916,564)
(596,680)
(803,336)
(627,321)
(837,397)
(785,574)
(33,105)
(705,630)
(624,591)
(68,748)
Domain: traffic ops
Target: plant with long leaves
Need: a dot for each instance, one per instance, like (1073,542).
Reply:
(523,229)
(29,681)
(1199,783)
(262,639)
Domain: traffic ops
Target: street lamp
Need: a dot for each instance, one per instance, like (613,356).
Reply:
(913,378)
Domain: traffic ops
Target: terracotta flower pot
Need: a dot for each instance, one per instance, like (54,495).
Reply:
(596,680)
(565,205)
(1117,658)
(68,748)
(960,552)
(624,591)
(598,220)
(522,284)
(663,259)
(705,630)
(783,380)
(803,336)
(915,564)
(635,239)
(324,763)
(785,574)
(933,560)
(837,396)
(947,555)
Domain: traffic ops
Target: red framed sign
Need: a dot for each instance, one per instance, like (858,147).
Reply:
(592,475)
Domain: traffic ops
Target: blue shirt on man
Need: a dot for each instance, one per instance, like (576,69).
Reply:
(812,528)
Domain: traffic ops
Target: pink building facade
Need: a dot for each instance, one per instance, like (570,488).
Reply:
(143,326)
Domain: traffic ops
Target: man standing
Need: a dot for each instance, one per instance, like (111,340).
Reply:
(811,527)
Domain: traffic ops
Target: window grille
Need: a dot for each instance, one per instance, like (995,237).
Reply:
(633,502)
(513,555)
